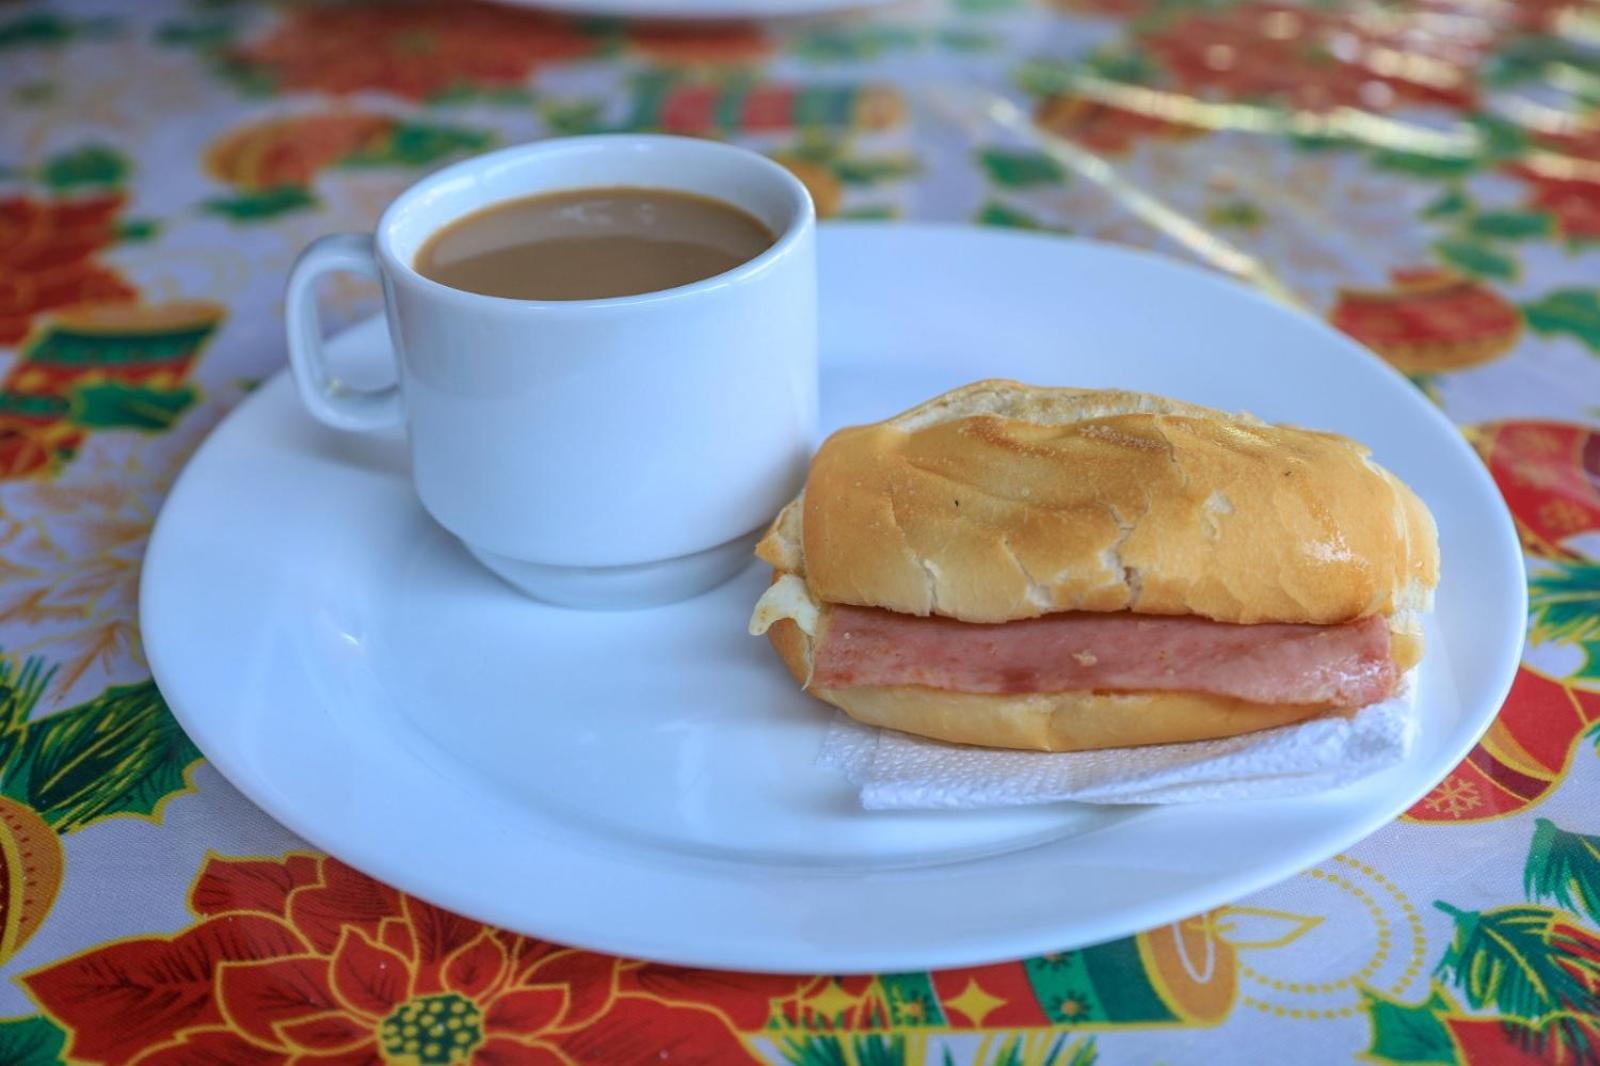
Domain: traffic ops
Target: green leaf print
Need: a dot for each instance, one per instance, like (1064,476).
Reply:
(34,93)
(834,45)
(995,213)
(1476,258)
(574,116)
(873,171)
(1564,867)
(867,213)
(91,165)
(31,1041)
(1015,1052)
(1235,214)
(120,753)
(1310,142)
(1039,78)
(912,1001)
(1564,602)
(959,39)
(201,33)
(988,7)
(41,29)
(263,204)
(467,93)
(1009,1053)
(114,405)
(1083,1053)
(1574,311)
(1541,58)
(1118,65)
(251,79)
(1512,225)
(1403,1033)
(417,144)
(1453,202)
(826,1049)
(1423,165)
(138,229)
(1036,1049)
(1532,963)
(20,691)
(1498,139)
(1018,170)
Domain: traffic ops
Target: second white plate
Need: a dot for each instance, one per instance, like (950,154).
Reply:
(644,783)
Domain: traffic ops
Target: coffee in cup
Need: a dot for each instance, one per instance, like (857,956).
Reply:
(587,244)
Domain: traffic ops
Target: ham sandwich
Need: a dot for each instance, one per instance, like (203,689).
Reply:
(1063,569)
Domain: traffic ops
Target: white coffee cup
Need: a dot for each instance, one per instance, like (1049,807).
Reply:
(600,453)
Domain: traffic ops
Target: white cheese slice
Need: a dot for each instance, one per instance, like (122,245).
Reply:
(787,597)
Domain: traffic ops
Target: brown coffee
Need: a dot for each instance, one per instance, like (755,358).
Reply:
(586,244)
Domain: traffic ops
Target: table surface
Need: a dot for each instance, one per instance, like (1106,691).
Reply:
(1425,175)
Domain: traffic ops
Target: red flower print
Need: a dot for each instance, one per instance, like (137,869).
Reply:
(1315,60)
(1575,204)
(48,253)
(1431,320)
(1510,1042)
(1113,8)
(1563,177)
(139,993)
(304,960)
(693,44)
(411,49)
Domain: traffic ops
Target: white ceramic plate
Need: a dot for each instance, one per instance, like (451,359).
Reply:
(691,10)
(643,783)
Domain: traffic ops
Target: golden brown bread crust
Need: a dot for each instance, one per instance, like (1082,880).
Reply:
(1066,721)
(793,647)
(1001,501)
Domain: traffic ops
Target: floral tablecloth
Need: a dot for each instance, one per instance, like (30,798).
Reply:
(1423,173)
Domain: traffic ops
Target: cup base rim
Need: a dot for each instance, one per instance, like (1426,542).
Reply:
(621,588)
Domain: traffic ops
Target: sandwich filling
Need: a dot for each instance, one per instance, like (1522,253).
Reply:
(1329,666)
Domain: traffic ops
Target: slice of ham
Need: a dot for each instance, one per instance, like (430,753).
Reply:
(1334,666)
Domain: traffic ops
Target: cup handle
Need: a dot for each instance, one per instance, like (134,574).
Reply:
(331,400)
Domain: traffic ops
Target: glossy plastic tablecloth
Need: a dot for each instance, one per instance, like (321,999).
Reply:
(1426,175)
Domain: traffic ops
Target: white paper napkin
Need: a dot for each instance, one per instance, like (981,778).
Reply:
(896,771)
